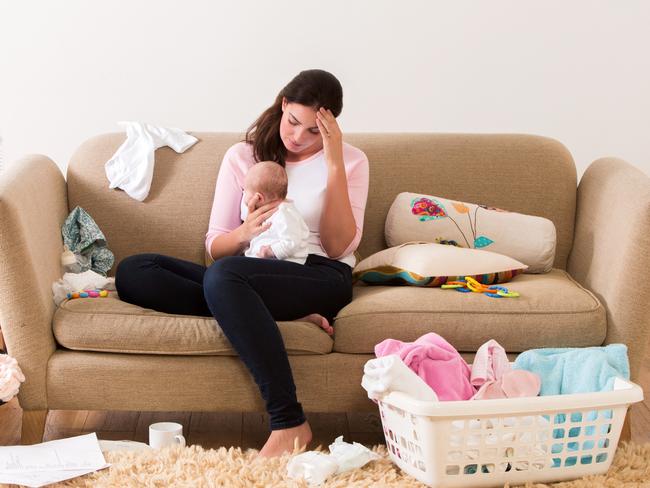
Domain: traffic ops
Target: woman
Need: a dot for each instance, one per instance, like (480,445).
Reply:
(328,182)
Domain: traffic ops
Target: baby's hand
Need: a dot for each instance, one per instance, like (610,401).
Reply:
(266,252)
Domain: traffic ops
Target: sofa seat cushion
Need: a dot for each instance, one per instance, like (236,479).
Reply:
(111,325)
(552,311)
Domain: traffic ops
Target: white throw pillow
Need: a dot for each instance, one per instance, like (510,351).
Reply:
(429,264)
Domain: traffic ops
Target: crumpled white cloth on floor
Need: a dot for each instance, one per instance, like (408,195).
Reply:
(131,167)
(350,456)
(389,373)
(312,466)
(315,467)
(72,282)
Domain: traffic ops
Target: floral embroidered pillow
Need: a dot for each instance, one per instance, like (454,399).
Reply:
(430,264)
(526,238)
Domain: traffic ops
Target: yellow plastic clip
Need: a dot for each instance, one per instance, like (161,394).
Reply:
(472,281)
(475,286)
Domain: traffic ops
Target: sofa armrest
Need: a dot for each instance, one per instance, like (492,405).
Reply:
(611,250)
(33,206)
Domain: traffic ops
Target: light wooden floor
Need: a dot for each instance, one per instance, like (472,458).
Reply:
(248,430)
(209,430)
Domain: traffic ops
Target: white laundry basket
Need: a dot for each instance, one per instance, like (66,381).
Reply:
(491,442)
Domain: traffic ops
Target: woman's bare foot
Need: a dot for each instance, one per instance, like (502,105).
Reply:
(320,321)
(284,440)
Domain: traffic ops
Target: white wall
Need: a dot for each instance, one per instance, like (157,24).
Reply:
(578,71)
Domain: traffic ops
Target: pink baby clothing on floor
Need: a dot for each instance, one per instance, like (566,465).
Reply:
(436,362)
(495,378)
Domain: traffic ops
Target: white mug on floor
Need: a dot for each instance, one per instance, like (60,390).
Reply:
(163,434)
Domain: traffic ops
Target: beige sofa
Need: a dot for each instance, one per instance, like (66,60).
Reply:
(105,354)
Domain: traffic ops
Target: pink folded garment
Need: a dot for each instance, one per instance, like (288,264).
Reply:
(495,378)
(436,362)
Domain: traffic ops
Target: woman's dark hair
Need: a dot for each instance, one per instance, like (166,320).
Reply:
(314,88)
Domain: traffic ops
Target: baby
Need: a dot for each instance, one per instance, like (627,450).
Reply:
(287,237)
(288,234)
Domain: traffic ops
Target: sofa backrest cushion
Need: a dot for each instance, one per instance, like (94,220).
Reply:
(522,173)
(528,174)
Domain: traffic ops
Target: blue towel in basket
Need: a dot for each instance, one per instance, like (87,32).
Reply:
(577,370)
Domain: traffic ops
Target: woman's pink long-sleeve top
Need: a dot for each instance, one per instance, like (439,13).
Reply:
(307,186)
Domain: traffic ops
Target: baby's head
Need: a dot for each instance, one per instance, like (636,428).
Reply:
(266,179)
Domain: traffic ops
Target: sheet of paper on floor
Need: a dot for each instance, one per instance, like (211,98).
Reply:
(52,461)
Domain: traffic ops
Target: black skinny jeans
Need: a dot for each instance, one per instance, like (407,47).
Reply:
(246,296)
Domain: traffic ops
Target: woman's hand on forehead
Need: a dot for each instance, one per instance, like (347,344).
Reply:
(331,133)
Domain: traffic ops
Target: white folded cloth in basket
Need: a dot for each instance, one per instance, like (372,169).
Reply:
(389,373)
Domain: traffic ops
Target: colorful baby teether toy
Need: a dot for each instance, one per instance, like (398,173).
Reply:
(471,285)
(90,293)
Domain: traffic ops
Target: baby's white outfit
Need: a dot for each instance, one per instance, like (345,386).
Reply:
(131,167)
(288,235)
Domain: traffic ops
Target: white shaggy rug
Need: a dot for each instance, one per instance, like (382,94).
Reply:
(196,467)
